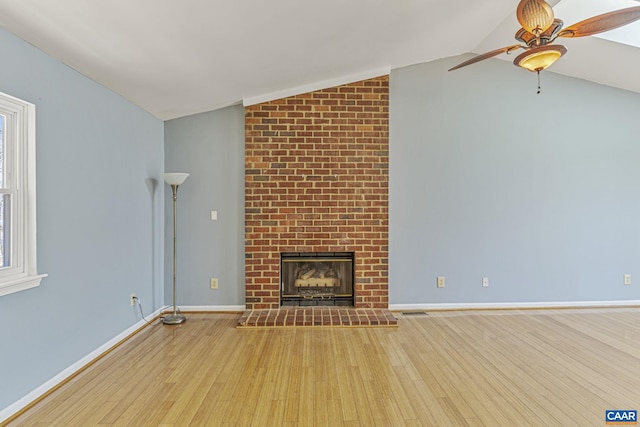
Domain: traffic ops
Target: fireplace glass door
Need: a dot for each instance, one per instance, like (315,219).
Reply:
(317,278)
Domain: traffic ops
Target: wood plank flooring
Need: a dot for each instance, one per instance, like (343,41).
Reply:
(473,368)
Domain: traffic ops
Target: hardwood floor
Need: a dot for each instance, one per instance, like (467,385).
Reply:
(492,368)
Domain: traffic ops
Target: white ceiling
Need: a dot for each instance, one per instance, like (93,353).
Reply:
(179,57)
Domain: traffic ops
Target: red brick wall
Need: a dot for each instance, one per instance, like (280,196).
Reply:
(316,180)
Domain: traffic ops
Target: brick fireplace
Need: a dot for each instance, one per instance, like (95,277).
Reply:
(316,181)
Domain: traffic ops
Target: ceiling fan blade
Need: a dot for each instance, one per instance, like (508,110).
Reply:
(601,23)
(487,55)
(535,16)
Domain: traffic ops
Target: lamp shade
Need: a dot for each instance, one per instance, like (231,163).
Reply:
(175,178)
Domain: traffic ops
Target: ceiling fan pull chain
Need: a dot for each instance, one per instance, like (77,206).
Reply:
(538,82)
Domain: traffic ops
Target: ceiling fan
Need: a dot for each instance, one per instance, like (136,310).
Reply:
(540,28)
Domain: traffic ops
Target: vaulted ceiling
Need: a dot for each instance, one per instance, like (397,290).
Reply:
(179,57)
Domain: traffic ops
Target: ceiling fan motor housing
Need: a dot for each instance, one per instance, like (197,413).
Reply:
(548,35)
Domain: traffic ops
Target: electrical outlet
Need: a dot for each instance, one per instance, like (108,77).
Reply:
(214,283)
(132,300)
(485,282)
(440,281)
(627,279)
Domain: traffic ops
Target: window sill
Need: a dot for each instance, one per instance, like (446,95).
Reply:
(20,284)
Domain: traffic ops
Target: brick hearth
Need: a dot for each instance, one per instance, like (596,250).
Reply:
(316,180)
(318,316)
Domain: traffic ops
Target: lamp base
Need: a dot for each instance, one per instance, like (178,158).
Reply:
(173,319)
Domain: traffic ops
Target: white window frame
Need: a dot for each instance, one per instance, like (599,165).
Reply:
(20,158)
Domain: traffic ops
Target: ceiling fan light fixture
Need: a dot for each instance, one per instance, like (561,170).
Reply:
(540,58)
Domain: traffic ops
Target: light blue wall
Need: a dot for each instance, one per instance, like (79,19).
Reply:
(540,193)
(100,225)
(209,146)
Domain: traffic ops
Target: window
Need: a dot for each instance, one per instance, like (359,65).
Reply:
(18,269)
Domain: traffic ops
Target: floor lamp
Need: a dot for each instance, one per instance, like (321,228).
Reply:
(174,180)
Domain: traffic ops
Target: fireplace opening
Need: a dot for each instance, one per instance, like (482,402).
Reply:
(316,278)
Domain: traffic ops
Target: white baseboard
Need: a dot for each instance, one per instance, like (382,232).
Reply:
(447,306)
(212,308)
(20,404)
(512,305)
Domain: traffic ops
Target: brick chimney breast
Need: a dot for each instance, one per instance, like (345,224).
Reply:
(317,180)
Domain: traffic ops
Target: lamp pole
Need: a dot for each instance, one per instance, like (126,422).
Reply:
(174,180)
